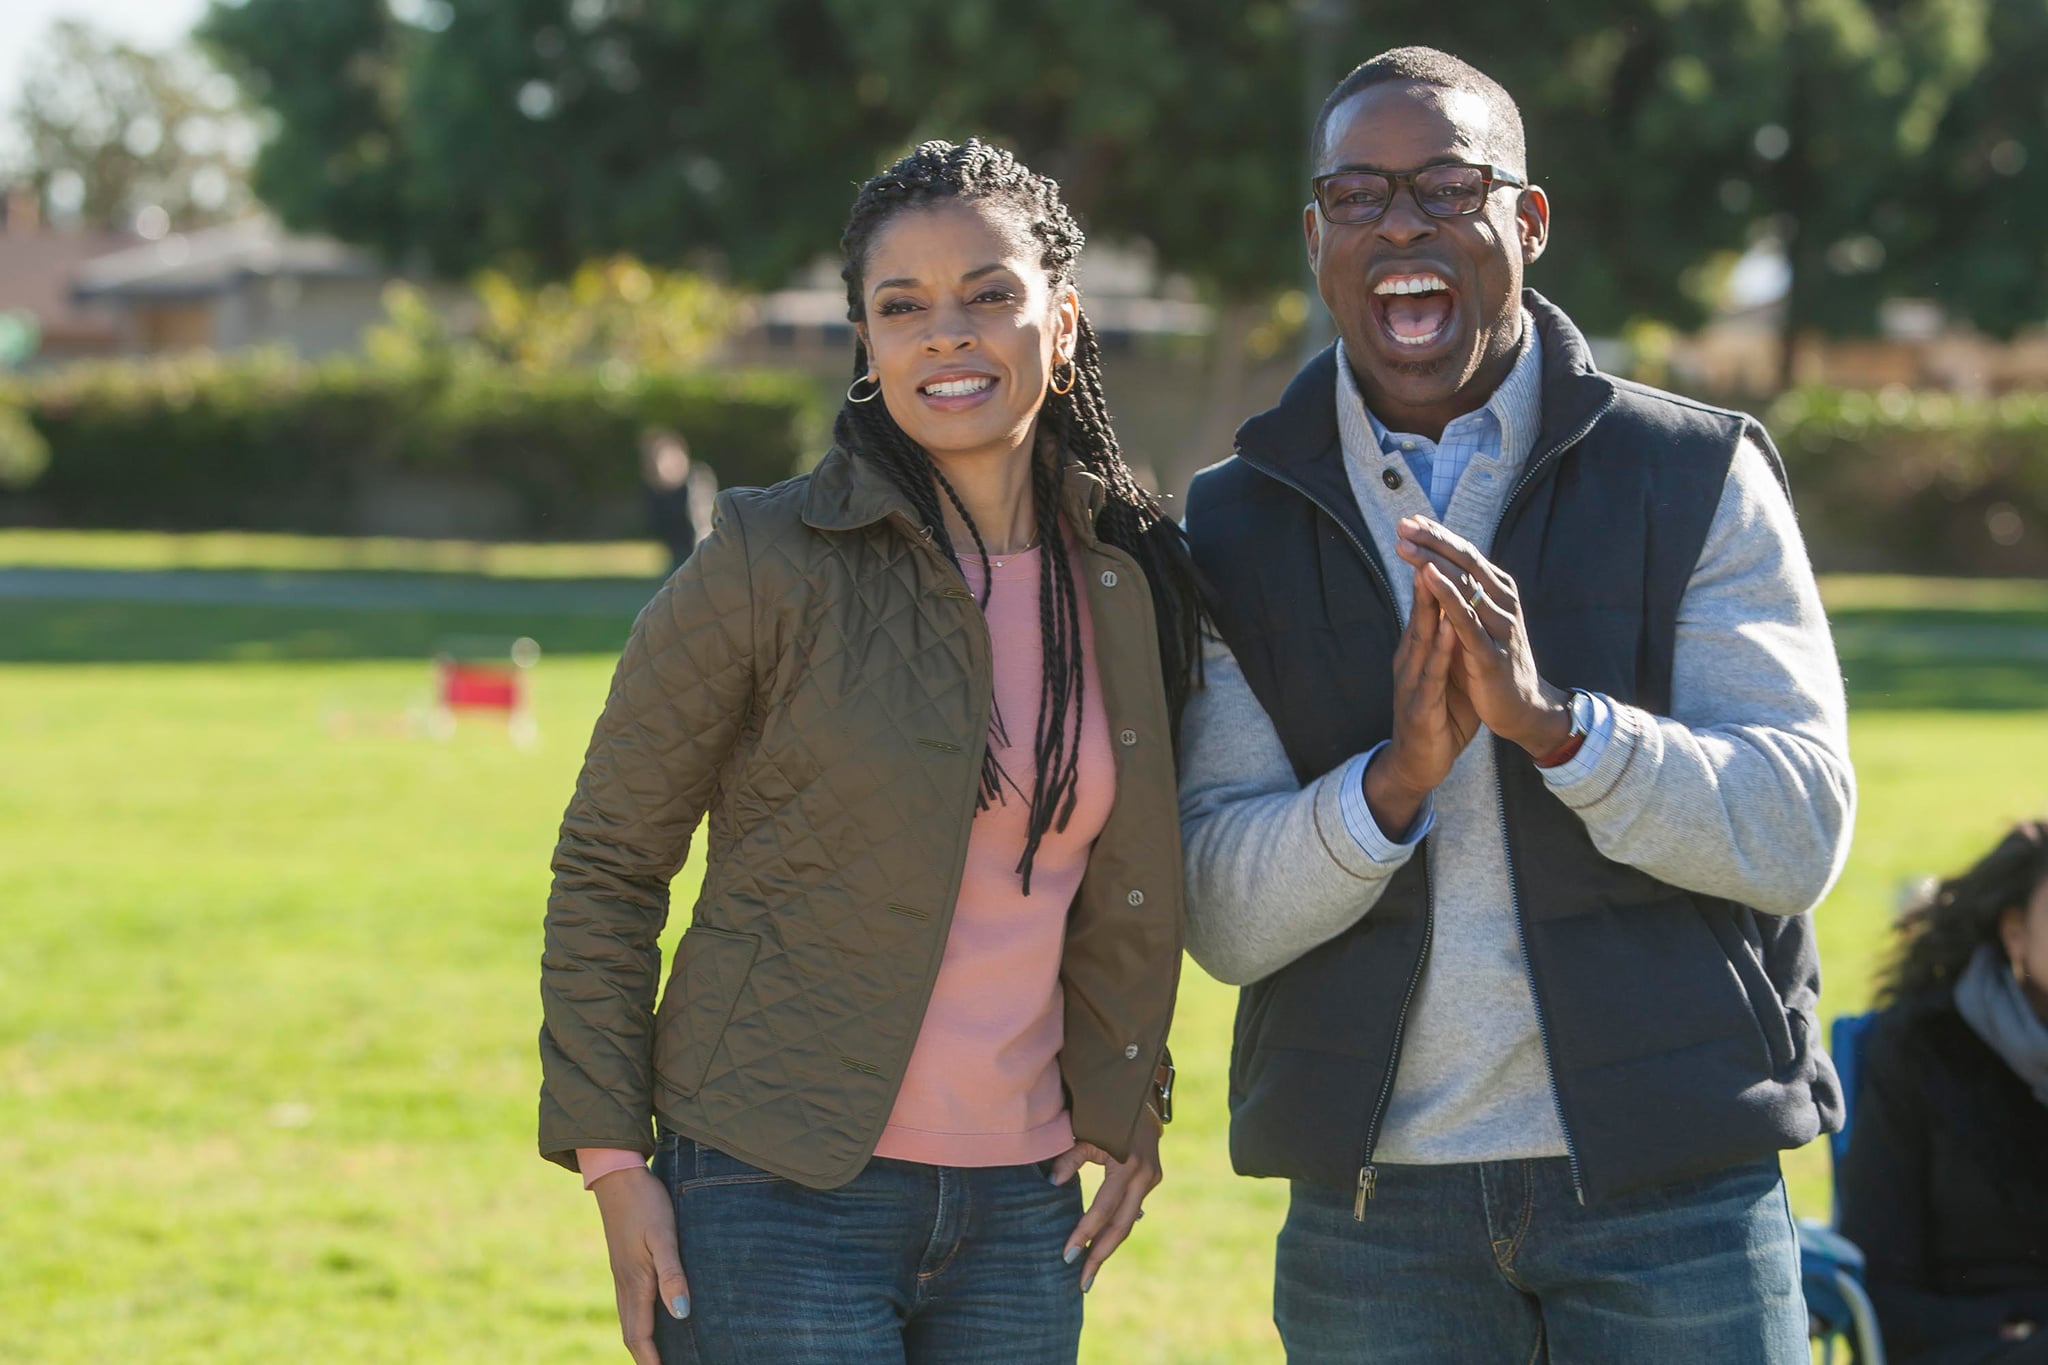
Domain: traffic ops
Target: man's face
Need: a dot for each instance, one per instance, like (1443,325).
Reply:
(1423,353)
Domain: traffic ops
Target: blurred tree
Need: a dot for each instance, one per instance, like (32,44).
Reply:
(614,314)
(1965,228)
(539,133)
(119,137)
(1863,86)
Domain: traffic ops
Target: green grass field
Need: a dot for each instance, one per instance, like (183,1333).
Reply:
(268,988)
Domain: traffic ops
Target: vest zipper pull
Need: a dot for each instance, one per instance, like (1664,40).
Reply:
(1368,1183)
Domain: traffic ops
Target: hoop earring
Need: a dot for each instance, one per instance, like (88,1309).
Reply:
(864,379)
(1073,375)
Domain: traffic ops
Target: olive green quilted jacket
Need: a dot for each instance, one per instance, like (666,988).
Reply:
(815,684)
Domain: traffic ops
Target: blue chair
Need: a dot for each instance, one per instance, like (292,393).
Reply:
(1830,1265)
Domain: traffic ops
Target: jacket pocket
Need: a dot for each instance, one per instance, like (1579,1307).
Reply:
(711,967)
(1747,962)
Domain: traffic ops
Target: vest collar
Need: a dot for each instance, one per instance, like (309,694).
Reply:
(847,493)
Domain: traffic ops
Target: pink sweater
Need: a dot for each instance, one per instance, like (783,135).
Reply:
(983,1084)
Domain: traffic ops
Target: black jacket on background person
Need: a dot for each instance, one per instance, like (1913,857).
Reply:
(1945,1187)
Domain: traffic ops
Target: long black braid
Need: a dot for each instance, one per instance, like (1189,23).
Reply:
(1073,428)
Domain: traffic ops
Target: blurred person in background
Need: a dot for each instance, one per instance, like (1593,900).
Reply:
(680,492)
(1510,797)
(927,697)
(1945,1185)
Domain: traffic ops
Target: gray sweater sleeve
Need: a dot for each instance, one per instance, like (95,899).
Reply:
(1745,790)
(1272,871)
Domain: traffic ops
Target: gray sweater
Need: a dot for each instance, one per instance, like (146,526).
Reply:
(1744,791)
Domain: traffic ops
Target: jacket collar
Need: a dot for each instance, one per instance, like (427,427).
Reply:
(1297,437)
(847,493)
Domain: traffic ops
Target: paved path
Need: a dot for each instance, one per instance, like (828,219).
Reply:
(417,592)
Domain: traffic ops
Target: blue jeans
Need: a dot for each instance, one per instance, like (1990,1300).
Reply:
(1498,1263)
(904,1264)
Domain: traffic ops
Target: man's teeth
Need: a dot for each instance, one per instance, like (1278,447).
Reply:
(958,388)
(1412,284)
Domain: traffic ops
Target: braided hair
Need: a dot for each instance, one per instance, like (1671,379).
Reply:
(1073,428)
(1941,931)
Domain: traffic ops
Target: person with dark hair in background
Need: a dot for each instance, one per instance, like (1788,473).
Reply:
(1945,1184)
(1510,796)
(679,492)
(927,695)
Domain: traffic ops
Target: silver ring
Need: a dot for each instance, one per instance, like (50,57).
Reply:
(1478,591)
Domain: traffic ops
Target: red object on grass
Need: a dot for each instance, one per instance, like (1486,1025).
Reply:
(487,687)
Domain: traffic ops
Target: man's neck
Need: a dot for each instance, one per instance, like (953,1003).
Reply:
(1429,420)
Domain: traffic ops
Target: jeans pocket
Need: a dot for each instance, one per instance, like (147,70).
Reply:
(701,1166)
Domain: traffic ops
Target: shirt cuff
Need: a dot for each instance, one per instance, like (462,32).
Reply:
(1358,815)
(1599,735)
(598,1162)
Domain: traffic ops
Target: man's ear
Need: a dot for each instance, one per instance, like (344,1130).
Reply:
(1532,223)
(1312,231)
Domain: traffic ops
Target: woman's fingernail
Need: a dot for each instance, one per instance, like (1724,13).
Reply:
(1071,1255)
(1056,1179)
(1087,1284)
(679,1306)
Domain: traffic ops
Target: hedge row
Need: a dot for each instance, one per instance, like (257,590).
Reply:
(263,441)
(1925,482)
(1922,482)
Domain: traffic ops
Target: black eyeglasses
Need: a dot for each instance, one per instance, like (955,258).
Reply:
(1451,190)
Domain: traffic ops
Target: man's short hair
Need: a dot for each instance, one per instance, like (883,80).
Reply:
(1428,66)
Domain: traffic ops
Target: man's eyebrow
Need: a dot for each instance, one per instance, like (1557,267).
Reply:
(1356,167)
(907,283)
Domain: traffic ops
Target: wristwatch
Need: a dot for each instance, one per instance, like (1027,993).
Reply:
(1581,707)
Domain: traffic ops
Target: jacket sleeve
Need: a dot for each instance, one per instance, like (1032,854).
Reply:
(1272,868)
(679,699)
(1886,1180)
(1745,791)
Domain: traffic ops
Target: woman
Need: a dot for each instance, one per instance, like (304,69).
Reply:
(926,697)
(1945,1185)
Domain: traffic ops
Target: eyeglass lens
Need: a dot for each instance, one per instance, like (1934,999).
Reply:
(1441,191)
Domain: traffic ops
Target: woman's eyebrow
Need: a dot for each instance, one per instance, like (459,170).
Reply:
(905,282)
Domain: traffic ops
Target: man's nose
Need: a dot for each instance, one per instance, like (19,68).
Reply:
(1404,223)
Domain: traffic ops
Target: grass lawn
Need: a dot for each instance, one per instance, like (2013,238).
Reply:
(267,973)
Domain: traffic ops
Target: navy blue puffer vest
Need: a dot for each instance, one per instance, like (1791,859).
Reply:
(1680,1029)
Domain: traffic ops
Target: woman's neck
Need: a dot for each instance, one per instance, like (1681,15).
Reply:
(995,488)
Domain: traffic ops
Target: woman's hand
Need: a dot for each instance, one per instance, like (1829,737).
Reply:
(640,1234)
(1120,1203)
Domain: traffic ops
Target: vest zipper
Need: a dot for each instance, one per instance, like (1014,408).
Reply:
(1571,1154)
(1368,1173)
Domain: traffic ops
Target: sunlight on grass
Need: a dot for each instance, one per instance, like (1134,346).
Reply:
(268,1003)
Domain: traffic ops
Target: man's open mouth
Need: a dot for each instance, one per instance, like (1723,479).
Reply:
(1414,310)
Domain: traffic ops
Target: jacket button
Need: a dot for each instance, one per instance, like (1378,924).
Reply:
(1109,578)
(1131,1053)
(1391,478)
(1136,898)
(1128,738)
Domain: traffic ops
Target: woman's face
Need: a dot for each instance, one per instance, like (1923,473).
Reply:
(2024,930)
(963,328)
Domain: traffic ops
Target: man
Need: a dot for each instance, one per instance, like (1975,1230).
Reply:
(1508,799)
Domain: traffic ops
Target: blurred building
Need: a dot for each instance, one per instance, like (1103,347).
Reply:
(1917,347)
(37,264)
(243,284)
